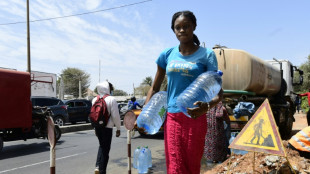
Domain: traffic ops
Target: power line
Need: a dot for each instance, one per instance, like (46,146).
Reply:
(79,14)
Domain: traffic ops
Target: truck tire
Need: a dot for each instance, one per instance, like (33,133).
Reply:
(57,132)
(286,128)
(1,143)
(59,121)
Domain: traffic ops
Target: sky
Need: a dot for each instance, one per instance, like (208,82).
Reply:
(127,36)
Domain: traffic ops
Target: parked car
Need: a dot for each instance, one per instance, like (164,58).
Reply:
(122,107)
(78,110)
(58,108)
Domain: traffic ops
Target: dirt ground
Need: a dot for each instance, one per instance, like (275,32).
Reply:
(265,163)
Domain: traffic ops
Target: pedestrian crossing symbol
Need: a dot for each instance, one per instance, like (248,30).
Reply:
(260,134)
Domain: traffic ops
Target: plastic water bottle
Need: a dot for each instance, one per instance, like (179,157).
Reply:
(135,157)
(206,86)
(149,156)
(142,162)
(153,113)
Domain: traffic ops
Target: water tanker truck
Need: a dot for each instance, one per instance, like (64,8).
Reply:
(248,78)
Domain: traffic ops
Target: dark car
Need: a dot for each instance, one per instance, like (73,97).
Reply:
(78,110)
(58,108)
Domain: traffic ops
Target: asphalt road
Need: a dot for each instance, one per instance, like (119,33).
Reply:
(76,154)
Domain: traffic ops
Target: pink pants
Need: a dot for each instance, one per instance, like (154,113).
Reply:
(184,143)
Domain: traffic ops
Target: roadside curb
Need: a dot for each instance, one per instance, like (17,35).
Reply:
(75,128)
(78,127)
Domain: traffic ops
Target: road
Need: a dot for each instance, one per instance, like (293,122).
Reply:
(76,154)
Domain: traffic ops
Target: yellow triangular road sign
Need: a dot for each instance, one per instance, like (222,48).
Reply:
(260,134)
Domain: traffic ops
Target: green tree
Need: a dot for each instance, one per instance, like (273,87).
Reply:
(71,78)
(147,81)
(305,67)
(146,85)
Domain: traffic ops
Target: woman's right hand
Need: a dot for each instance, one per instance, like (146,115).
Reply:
(140,129)
(201,109)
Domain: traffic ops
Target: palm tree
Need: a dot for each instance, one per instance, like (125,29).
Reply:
(147,81)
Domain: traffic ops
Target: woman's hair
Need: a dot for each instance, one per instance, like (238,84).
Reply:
(190,15)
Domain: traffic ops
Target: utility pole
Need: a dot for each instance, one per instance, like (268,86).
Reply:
(80,89)
(99,70)
(61,88)
(28,43)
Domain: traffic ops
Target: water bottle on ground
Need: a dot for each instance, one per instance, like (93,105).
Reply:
(135,157)
(206,86)
(142,162)
(149,156)
(153,113)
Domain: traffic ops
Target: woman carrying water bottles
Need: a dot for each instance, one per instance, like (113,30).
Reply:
(184,136)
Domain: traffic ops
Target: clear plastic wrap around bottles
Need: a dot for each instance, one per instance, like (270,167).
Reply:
(205,87)
(149,156)
(153,113)
(142,162)
(135,157)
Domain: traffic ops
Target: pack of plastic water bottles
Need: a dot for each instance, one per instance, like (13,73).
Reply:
(142,159)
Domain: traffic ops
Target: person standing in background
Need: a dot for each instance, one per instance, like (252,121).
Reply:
(132,104)
(184,136)
(308,113)
(298,103)
(215,150)
(104,134)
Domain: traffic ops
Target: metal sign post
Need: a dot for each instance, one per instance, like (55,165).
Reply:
(129,122)
(52,140)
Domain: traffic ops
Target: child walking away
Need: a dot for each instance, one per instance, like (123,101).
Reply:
(104,131)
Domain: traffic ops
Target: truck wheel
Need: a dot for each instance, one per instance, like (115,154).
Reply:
(1,143)
(286,128)
(57,133)
(59,121)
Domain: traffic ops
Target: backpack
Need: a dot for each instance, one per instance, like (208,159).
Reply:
(99,114)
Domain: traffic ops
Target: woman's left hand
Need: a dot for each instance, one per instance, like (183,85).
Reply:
(198,111)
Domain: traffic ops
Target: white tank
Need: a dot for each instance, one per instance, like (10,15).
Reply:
(243,71)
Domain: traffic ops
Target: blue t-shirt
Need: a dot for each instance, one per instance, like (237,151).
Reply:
(133,105)
(183,70)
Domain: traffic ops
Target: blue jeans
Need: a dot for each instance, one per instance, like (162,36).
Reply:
(104,136)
